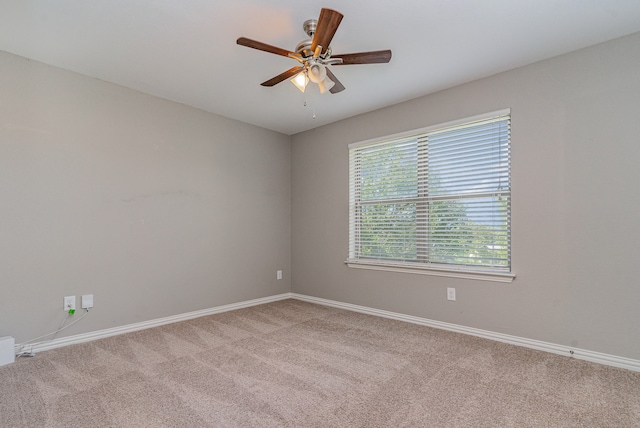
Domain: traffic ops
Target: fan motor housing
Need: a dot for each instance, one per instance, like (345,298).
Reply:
(304,48)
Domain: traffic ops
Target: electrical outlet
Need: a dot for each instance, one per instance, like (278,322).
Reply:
(451,294)
(87,301)
(279,274)
(69,303)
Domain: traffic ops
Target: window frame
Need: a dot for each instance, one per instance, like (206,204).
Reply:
(429,268)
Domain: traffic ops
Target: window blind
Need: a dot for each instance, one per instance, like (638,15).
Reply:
(439,197)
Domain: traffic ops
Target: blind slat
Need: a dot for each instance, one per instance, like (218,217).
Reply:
(438,197)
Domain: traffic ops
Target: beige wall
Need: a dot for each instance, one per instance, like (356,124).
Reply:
(576,205)
(159,209)
(155,208)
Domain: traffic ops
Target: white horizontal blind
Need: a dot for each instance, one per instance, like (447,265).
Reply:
(438,197)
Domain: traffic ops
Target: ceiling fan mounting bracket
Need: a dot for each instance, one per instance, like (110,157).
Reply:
(310,26)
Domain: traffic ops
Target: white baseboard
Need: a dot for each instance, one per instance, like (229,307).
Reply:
(581,354)
(101,334)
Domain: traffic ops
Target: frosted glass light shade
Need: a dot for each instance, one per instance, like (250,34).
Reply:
(325,85)
(317,73)
(300,81)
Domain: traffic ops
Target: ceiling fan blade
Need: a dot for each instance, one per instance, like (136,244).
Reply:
(325,29)
(372,57)
(337,87)
(283,76)
(243,41)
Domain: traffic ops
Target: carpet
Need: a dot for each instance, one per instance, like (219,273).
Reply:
(297,364)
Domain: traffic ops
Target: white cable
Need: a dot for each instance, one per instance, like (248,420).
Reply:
(64,321)
(57,331)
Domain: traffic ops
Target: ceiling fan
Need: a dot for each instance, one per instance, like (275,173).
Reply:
(314,55)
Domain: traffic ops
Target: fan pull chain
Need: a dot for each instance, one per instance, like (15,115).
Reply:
(304,103)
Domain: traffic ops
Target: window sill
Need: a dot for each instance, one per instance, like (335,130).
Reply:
(482,275)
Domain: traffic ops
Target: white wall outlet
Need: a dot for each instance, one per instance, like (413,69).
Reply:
(279,274)
(451,294)
(69,303)
(87,301)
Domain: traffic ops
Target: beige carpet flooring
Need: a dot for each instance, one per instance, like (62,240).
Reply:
(295,364)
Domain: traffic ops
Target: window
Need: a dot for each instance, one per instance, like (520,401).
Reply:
(436,200)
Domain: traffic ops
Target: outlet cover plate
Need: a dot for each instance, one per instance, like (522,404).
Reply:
(451,293)
(69,303)
(87,301)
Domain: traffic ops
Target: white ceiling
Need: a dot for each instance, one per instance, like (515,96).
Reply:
(185,50)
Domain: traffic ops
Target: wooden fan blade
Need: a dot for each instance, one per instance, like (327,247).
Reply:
(372,57)
(282,76)
(243,41)
(338,87)
(325,29)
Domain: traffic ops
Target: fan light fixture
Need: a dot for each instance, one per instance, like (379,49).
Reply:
(316,73)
